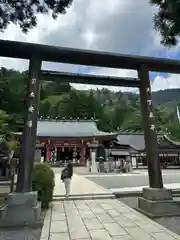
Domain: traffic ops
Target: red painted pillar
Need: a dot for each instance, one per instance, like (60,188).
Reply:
(48,154)
(49,151)
(82,153)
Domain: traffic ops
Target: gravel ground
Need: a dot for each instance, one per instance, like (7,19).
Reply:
(22,234)
(171,223)
(132,180)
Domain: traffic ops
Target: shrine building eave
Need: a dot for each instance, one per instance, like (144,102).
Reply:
(136,142)
(176,143)
(104,136)
(70,129)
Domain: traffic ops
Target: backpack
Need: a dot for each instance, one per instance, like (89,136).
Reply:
(64,174)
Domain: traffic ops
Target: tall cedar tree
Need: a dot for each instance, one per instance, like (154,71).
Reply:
(24,12)
(167,21)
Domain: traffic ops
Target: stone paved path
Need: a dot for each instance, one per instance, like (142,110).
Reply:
(79,186)
(106,219)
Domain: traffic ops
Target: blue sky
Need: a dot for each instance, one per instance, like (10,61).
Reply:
(153,75)
(164,54)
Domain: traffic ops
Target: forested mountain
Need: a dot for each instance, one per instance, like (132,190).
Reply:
(113,110)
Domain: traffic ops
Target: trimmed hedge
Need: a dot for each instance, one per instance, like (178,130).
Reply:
(43,183)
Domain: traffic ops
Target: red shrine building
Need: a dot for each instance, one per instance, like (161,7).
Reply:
(60,140)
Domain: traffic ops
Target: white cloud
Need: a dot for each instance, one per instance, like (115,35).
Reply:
(114,26)
(162,83)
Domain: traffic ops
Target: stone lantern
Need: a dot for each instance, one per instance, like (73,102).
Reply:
(93,149)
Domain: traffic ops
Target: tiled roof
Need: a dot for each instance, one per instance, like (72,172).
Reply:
(135,140)
(71,128)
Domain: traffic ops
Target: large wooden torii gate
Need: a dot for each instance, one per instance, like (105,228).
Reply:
(37,53)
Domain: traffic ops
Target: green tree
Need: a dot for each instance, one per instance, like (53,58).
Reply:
(167,20)
(74,105)
(12,96)
(174,128)
(23,12)
(42,93)
(45,108)
(133,121)
(161,119)
(119,115)
(92,107)
(112,110)
(55,88)
(104,123)
(4,126)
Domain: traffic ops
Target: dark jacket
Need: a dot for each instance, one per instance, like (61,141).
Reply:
(70,170)
(67,172)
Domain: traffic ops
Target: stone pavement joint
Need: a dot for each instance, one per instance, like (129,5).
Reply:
(99,219)
(80,186)
(96,219)
(84,197)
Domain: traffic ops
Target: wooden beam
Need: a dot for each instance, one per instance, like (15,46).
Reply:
(150,136)
(89,79)
(50,53)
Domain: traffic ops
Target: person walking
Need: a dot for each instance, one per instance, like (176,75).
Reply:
(66,176)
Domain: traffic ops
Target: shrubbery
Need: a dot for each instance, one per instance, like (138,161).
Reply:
(43,183)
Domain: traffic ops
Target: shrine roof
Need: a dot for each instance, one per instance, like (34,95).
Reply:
(171,141)
(69,129)
(136,140)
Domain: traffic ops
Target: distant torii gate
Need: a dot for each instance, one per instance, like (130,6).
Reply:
(37,53)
